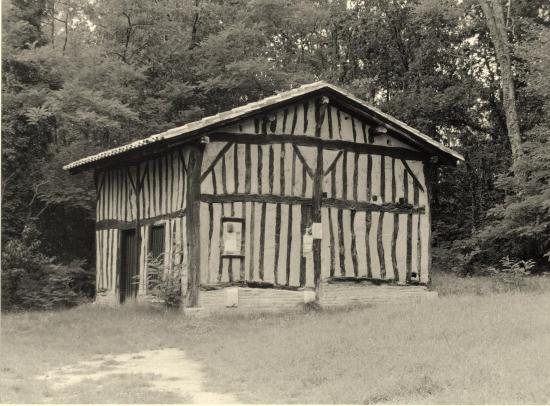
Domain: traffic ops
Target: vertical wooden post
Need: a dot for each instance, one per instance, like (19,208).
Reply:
(193,224)
(316,215)
(428,169)
(138,225)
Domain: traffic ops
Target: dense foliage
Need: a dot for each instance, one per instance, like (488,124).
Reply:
(80,76)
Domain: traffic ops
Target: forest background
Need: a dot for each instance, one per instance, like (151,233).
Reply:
(81,76)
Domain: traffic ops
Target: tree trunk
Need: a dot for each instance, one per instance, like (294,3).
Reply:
(494,14)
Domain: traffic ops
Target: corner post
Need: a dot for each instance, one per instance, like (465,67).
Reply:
(316,215)
(193,224)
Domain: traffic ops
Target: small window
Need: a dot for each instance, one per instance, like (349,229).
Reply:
(232,236)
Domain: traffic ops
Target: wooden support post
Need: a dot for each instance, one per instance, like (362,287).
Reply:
(193,224)
(137,190)
(318,193)
(428,171)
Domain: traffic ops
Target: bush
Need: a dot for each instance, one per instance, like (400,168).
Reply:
(32,281)
(165,284)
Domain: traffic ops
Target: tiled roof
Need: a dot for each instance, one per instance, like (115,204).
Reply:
(222,118)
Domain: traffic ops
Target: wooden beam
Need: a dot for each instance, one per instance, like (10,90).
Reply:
(216,160)
(304,140)
(193,223)
(126,225)
(303,160)
(370,207)
(409,170)
(243,197)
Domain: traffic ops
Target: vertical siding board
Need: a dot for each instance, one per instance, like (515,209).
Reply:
(339,121)
(255,169)
(269,247)
(383,183)
(345,175)
(153,193)
(407,237)
(389,181)
(241,168)
(215,256)
(393,184)
(355,176)
(288,168)
(277,243)
(99,258)
(108,253)
(329,122)
(247,237)
(362,177)
(236,178)
(305,118)
(248,167)
(294,119)
(360,232)
(206,230)
(224,185)
(230,169)
(146,196)
(368,251)
(252,240)
(295,256)
(263,164)
(338,180)
(341,246)
(387,232)
(326,258)
(262,242)
(354,130)
(348,263)
(283,239)
(353,244)
(369,177)
(289,244)
(276,180)
(332,242)
(394,247)
(380,247)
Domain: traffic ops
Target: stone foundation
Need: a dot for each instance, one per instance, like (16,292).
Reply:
(334,294)
(331,294)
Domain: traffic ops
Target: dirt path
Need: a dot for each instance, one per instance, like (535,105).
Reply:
(173,371)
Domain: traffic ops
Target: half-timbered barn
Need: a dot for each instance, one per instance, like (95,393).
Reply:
(310,190)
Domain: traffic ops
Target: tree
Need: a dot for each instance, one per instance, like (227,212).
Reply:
(496,22)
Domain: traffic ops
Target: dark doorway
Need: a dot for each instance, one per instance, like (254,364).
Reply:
(156,254)
(129,273)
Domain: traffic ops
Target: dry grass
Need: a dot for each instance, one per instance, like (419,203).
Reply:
(467,348)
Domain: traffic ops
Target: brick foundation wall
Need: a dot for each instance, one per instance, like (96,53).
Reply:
(332,294)
(253,299)
(351,293)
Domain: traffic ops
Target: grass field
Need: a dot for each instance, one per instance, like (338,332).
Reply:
(470,346)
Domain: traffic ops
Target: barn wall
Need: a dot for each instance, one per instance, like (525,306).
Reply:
(300,119)
(374,205)
(161,185)
(375,211)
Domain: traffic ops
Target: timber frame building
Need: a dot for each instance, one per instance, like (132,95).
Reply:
(307,190)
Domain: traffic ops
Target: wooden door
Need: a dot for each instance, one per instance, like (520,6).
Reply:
(128,282)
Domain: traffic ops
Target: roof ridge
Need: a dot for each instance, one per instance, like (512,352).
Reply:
(236,112)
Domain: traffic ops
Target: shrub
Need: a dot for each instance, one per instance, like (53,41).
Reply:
(32,281)
(165,283)
(512,271)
